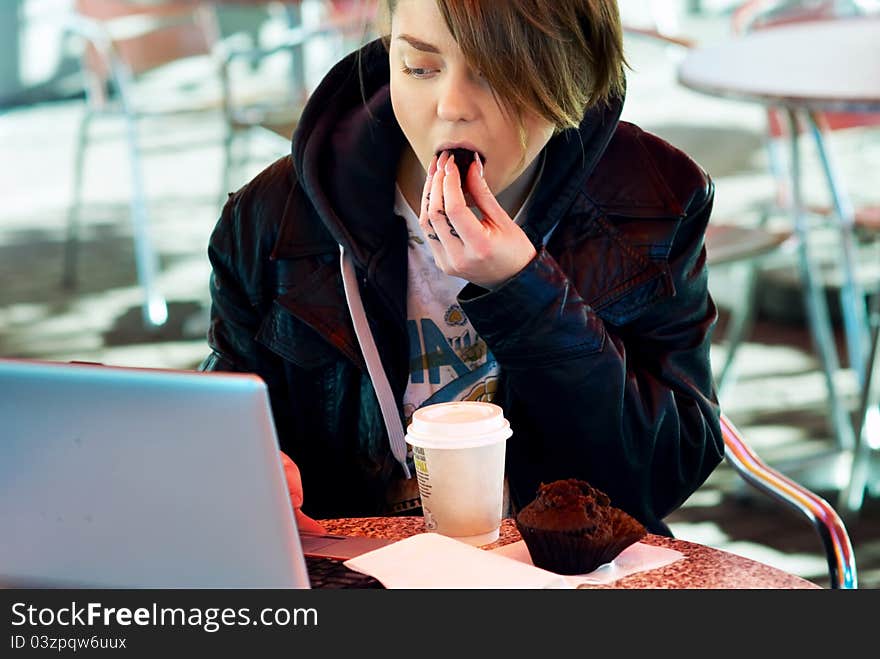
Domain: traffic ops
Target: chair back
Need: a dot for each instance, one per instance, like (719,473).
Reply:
(141,37)
(826,521)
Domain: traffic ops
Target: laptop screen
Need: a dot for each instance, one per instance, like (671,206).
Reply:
(131,477)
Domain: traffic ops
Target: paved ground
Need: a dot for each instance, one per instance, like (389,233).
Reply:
(778,399)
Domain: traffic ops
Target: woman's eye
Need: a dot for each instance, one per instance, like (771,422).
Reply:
(416,72)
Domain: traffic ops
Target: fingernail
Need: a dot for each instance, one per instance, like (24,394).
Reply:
(479,163)
(432,168)
(450,164)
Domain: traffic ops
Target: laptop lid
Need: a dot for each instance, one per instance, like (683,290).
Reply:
(132,477)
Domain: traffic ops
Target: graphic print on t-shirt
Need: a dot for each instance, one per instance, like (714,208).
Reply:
(448,360)
(441,358)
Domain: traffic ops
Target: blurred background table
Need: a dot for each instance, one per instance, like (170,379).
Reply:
(702,566)
(808,68)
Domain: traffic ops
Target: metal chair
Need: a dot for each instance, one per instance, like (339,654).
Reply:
(343,24)
(755,15)
(123,40)
(785,128)
(733,245)
(850,466)
(826,521)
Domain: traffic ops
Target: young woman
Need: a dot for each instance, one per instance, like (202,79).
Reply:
(560,273)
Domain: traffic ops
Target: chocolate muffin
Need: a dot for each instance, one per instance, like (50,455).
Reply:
(572,528)
(463,160)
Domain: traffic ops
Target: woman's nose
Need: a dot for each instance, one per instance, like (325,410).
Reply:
(458,100)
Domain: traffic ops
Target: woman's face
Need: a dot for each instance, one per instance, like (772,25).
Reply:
(440,102)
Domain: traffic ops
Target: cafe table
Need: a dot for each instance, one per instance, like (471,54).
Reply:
(702,567)
(808,68)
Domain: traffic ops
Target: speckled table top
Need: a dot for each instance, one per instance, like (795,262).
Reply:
(702,566)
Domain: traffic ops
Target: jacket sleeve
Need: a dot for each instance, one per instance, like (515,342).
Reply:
(239,252)
(631,408)
(234,316)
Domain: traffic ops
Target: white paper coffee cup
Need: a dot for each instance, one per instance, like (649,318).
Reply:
(459,457)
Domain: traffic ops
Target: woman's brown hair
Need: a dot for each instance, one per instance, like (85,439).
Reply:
(555,58)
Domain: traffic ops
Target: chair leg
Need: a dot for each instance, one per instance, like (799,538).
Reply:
(852,297)
(867,421)
(71,243)
(742,315)
(229,133)
(229,163)
(778,165)
(155,309)
(236,156)
(816,305)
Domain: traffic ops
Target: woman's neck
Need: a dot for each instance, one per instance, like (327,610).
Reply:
(411,181)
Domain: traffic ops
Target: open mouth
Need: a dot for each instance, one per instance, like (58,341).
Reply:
(463,160)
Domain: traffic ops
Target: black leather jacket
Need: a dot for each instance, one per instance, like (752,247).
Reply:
(602,340)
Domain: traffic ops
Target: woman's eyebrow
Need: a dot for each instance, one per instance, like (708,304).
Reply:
(418,44)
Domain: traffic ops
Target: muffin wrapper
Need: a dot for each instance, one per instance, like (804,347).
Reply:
(573,552)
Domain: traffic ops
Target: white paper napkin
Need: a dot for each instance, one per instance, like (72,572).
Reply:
(638,557)
(431,560)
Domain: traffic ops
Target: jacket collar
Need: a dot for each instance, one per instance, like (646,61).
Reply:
(571,156)
(353,195)
(614,189)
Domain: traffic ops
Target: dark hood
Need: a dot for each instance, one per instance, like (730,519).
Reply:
(354,194)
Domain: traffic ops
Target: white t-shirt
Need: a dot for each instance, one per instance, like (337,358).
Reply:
(448,359)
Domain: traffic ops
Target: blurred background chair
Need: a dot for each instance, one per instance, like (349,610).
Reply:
(731,245)
(121,42)
(827,523)
(125,42)
(746,247)
(756,15)
(855,224)
(341,26)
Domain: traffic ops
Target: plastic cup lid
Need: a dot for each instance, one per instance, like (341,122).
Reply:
(462,424)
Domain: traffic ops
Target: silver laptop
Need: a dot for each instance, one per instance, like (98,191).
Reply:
(116,477)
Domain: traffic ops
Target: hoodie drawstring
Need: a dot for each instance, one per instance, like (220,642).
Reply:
(379,378)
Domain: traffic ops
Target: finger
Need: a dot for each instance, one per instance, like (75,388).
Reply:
(437,221)
(426,189)
(294,480)
(434,200)
(482,194)
(426,199)
(306,524)
(461,220)
(429,193)
(437,214)
(295,491)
